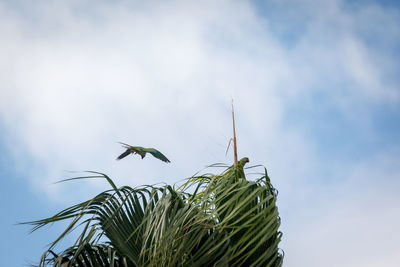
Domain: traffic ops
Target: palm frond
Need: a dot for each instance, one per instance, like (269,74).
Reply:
(209,220)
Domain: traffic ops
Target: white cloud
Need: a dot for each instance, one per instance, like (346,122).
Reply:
(77,78)
(137,79)
(350,223)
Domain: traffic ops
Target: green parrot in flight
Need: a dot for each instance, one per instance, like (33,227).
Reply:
(142,152)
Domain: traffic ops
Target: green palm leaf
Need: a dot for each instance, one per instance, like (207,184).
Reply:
(225,221)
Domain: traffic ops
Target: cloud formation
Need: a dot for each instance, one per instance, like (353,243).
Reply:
(77,77)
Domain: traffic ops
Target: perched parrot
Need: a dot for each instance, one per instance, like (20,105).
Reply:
(142,152)
(240,167)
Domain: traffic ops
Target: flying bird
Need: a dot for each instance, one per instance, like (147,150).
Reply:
(142,152)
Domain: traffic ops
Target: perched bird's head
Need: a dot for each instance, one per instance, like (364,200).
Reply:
(243,161)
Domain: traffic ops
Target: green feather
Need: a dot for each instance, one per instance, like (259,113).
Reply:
(142,152)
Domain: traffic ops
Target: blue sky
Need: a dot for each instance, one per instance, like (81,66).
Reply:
(315,85)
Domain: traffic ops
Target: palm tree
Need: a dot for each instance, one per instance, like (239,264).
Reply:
(209,220)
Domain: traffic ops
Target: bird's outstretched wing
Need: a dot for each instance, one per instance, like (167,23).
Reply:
(157,154)
(142,152)
(123,155)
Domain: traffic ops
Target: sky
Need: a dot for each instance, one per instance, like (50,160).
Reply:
(316,89)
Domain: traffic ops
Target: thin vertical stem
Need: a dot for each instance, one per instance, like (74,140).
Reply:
(234,138)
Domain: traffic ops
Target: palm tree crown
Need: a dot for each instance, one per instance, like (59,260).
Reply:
(209,220)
